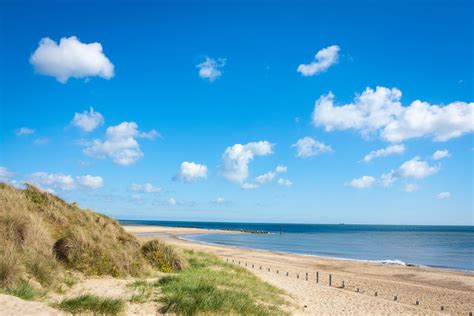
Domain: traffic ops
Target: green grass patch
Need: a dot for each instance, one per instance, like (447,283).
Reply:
(91,303)
(24,290)
(144,291)
(210,286)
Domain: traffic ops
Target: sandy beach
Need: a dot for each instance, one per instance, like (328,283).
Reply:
(369,288)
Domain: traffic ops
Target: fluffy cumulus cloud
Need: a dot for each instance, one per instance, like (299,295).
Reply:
(308,147)
(88,120)
(363,182)
(324,59)
(284,182)
(444,195)
(190,172)
(120,144)
(145,188)
(380,112)
(219,200)
(92,182)
(172,202)
(50,181)
(417,168)
(387,151)
(22,131)
(71,59)
(440,154)
(210,69)
(236,159)
(387,179)
(281,169)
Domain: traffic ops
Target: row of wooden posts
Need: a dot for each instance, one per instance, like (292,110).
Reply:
(395,297)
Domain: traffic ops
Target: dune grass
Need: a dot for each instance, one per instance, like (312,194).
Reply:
(43,237)
(210,286)
(24,290)
(93,304)
(163,257)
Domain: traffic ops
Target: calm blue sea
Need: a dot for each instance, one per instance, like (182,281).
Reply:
(436,246)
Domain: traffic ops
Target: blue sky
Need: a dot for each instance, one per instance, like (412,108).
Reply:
(195,104)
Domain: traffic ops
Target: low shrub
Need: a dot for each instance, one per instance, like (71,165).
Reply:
(163,257)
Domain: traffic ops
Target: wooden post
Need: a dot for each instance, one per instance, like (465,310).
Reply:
(342,284)
(227,259)
(278,271)
(330,279)
(417,302)
(375,294)
(232,260)
(297,276)
(287,274)
(252,265)
(239,262)
(268,269)
(357,290)
(442,308)
(317,277)
(306,276)
(260,267)
(395,298)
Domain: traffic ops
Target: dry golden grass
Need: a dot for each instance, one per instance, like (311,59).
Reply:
(42,235)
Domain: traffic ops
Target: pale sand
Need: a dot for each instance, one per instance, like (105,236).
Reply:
(433,288)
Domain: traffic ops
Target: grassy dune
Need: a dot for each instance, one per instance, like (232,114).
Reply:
(46,242)
(43,237)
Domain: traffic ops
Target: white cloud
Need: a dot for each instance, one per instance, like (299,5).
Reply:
(387,179)
(249,186)
(92,182)
(281,169)
(210,68)
(71,59)
(265,178)
(285,182)
(5,175)
(308,147)
(444,195)
(380,112)
(120,144)
(88,120)
(219,200)
(60,181)
(362,182)
(172,201)
(410,188)
(387,151)
(191,171)
(440,154)
(417,168)
(146,188)
(323,59)
(48,181)
(236,159)
(24,131)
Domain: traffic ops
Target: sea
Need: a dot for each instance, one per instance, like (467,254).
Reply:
(450,247)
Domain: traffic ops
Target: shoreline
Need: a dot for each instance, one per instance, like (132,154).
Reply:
(433,287)
(387,262)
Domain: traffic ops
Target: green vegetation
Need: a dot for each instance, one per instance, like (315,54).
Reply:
(210,286)
(24,291)
(91,303)
(163,257)
(146,291)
